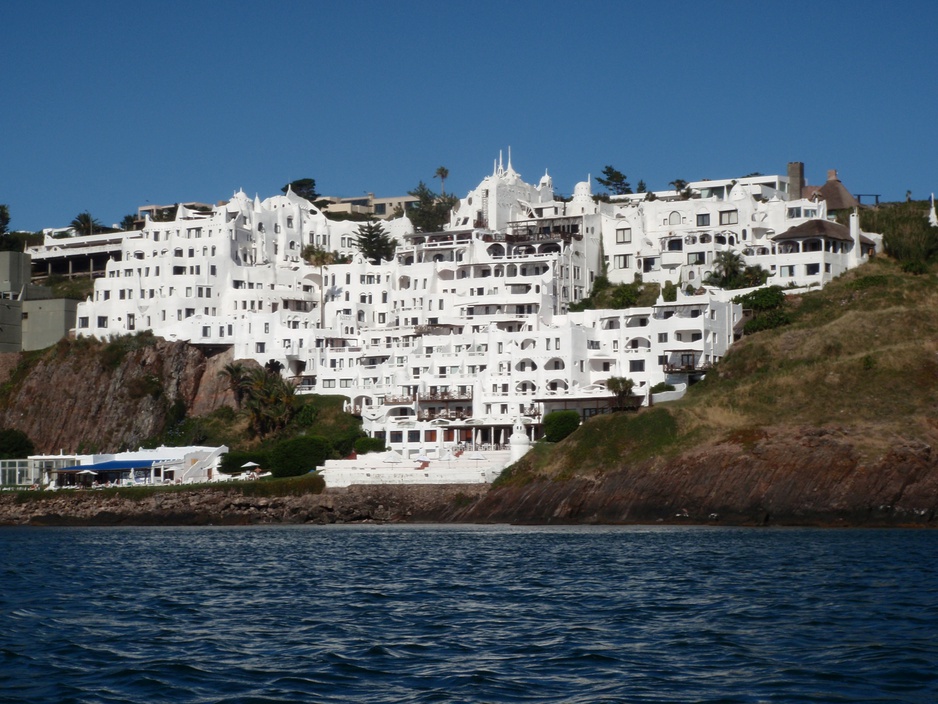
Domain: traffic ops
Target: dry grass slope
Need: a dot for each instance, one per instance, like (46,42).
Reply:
(861,356)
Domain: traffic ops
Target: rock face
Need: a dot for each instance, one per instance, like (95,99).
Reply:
(789,477)
(225,505)
(76,397)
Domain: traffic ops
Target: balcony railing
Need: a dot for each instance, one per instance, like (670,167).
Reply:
(446,396)
(444,414)
(398,400)
(687,368)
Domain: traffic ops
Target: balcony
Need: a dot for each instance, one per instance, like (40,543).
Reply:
(444,414)
(686,368)
(446,396)
(398,400)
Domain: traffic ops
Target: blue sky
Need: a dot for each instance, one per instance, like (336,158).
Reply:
(106,106)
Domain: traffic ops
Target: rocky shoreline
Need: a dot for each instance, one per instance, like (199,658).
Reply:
(224,506)
(810,478)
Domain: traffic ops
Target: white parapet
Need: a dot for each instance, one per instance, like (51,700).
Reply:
(384,468)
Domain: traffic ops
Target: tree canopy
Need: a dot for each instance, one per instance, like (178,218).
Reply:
(442,173)
(303,187)
(730,272)
(85,224)
(431,211)
(614,181)
(15,444)
(622,387)
(4,219)
(375,243)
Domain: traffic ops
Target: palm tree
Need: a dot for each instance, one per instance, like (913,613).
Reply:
(84,224)
(320,258)
(271,401)
(236,374)
(442,173)
(622,387)
(728,266)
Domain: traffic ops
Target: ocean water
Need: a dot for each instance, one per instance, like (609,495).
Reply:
(467,614)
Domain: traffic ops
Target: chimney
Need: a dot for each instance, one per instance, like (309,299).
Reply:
(795,179)
(853,257)
(832,175)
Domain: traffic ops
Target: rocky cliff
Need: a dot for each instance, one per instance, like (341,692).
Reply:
(789,476)
(91,396)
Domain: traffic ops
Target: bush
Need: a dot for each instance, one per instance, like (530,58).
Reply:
(559,424)
(766,321)
(307,415)
(226,414)
(232,462)
(15,444)
(146,385)
(661,387)
(292,458)
(365,445)
(344,443)
(763,299)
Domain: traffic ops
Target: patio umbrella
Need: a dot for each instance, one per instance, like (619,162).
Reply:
(393,457)
(248,465)
(87,471)
(422,458)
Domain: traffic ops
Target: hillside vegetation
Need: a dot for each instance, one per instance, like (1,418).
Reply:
(860,357)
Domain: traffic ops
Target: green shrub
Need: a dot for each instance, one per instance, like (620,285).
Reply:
(146,385)
(365,445)
(307,415)
(343,443)
(233,462)
(292,458)
(769,298)
(661,387)
(559,424)
(15,444)
(766,321)
(226,414)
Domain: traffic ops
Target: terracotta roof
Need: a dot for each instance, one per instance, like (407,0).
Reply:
(817,228)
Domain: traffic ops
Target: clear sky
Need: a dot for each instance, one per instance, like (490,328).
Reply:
(109,105)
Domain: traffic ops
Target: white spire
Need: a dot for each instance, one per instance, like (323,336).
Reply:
(932,216)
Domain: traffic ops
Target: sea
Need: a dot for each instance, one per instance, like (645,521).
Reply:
(416,613)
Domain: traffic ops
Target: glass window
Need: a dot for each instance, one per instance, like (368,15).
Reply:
(729,217)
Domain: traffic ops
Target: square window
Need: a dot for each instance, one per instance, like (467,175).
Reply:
(729,217)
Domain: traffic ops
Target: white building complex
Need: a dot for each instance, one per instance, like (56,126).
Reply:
(467,330)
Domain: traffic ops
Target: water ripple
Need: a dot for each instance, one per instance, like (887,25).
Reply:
(467,614)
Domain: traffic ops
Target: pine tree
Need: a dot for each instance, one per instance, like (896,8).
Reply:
(374,243)
(614,181)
